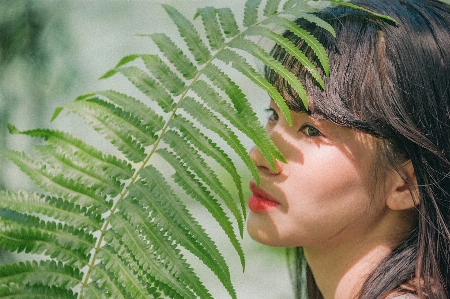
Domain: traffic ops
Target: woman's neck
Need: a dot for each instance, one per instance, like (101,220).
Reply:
(341,266)
(339,273)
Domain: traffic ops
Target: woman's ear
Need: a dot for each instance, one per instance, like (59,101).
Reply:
(403,192)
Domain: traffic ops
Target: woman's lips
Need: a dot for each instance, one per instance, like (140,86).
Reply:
(260,201)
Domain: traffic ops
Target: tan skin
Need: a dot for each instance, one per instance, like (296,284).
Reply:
(325,199)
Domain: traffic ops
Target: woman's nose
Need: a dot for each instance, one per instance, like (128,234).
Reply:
(262,164)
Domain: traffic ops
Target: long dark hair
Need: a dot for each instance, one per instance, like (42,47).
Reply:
(391,81)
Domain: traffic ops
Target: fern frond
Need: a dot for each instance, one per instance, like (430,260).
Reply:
(271,7)
(122,129)
(149,87)
(261,54)
(123,61)
(228,22)
(354,6)
(57,183)
(175,55)
(164,74)
(187,180)
(301,14)
(157,198)
(212,27)
(112,269)
(240,64)
(318,49)
(213,123)
(189,156)
(147,116)
(251,12)
(84,174)
(190,35)
(290,48)
(36,292)
(158,258)
(290,4)
(209,148)
(30,234)
(242,119)
(52,207)
(50,274)
(83,153)
(103,285)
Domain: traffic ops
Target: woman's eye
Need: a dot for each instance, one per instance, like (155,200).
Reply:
(309,130)
(273,116)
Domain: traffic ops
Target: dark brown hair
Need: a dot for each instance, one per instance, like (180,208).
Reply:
(391,81)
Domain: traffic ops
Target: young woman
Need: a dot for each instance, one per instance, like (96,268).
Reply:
(364,195)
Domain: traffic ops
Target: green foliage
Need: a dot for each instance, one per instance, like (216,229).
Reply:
(117,226)
(33,39)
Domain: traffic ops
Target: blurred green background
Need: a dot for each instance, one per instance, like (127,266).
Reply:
(52,51)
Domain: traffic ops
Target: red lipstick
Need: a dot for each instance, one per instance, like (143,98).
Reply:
(260,201)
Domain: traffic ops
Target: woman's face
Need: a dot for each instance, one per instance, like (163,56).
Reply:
(324,194)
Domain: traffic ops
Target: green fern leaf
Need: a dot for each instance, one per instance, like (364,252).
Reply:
(190,35)
(228,22)
(83,173)
(271,7)
(55,208)
(164,74)
(59,141)
(123,61)
(187,180)
(245,120)
(175,55)
(190,156)
(354,6)
(148,117)
(149,87)
(57,183)
(290,4)
(110,117)
(212,27)
(117,126)
(159,258)
(251,12)
(290,48)
(64,151)
(214,124)
(298,13)
(318,49)
(240,64)
(114,269)
(35,292)
(104,286)
(50,274)
(268,60)
(170,214)
(208,147)
(32,235)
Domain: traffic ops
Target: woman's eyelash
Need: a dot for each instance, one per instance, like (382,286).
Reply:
(310,131)
(272,114)
(306,129)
